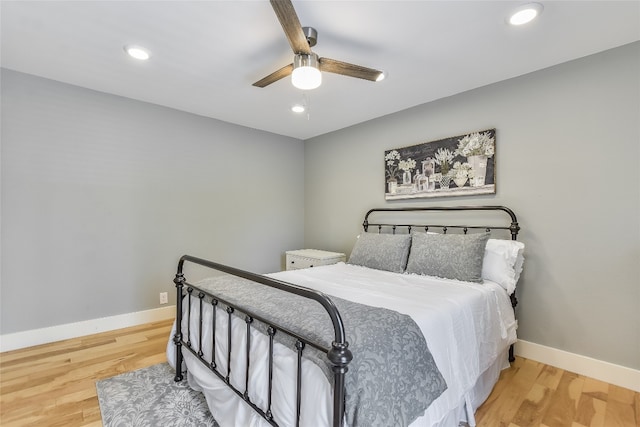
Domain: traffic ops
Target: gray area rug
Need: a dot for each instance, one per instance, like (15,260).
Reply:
(150,397)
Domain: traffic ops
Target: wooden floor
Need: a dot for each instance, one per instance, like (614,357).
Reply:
(54,385)
(533,394)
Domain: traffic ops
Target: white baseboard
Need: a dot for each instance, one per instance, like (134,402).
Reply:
(583,365)
(33,337)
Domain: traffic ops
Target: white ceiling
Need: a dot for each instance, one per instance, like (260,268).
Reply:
(206,54)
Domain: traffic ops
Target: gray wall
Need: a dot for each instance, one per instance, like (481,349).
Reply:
(102,194)
(94,206)
(568,156)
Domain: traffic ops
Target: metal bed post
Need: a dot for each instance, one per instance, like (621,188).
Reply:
(177,339)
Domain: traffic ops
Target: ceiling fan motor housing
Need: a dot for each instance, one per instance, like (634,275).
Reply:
(302,60)
(311,34)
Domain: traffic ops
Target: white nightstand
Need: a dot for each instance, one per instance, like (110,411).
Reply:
(305,258)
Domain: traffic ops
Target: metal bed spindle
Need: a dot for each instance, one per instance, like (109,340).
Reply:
(189,291)
(299,348)
(230,311)
(248,321)
(200,297)
(214,311)
(271,331)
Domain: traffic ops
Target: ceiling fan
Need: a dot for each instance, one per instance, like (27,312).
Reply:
(306,68)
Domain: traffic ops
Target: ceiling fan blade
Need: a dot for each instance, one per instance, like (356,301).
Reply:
(291,25)
(275,76)
(346,69)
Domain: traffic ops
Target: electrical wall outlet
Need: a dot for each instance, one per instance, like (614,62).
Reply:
(164,298)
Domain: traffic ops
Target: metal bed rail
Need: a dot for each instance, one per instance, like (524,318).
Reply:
(513,228)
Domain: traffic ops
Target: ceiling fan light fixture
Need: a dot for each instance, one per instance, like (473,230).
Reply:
(306,75)
(525,14)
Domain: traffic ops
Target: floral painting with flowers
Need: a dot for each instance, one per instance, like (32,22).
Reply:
(457,166)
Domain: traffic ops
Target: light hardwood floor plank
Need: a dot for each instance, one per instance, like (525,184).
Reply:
(506,405)
(619,414)
(564,405)
(54,385)
(596,389)
(534,406)
(550,377)
(591,411)
(637,408)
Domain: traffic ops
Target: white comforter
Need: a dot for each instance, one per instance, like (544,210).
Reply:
(468,327)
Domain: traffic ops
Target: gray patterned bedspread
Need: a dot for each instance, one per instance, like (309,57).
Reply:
(392,378)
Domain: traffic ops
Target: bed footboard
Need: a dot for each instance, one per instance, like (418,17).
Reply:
(338,354)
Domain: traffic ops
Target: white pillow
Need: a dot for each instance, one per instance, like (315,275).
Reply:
(502,263)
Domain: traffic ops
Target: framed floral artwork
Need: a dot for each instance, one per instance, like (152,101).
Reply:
(461,165)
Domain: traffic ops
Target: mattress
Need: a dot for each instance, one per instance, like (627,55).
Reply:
(468,328)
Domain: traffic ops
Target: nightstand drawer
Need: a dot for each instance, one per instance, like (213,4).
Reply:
(306,258)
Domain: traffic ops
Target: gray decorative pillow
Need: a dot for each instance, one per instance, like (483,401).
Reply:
(381,251)
(452,256)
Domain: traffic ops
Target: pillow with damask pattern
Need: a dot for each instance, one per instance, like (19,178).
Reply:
(450,256)
(387,252)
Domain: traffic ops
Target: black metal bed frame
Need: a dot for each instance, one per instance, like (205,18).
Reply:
(338,354)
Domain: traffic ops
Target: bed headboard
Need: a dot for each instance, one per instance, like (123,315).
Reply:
(451,222)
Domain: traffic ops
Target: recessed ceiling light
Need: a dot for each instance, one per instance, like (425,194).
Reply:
(298,108)
(525,14)
(137,52)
